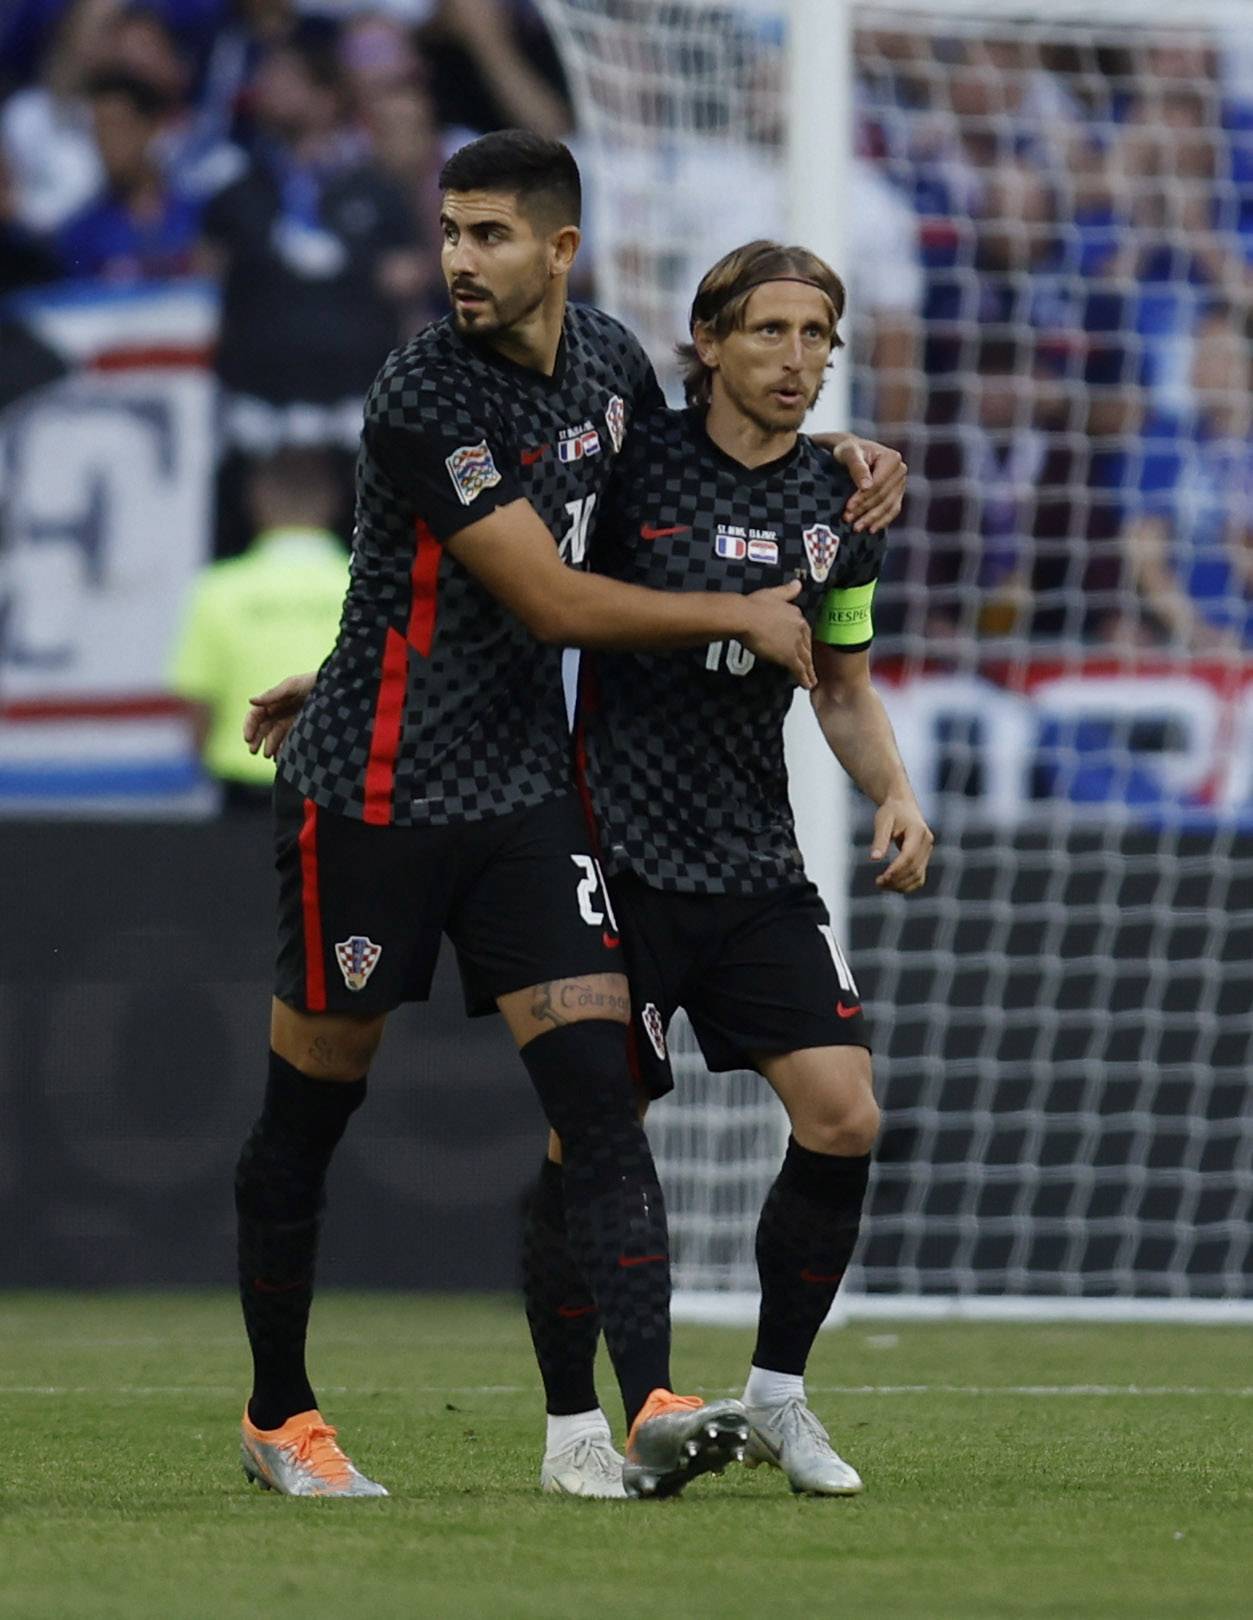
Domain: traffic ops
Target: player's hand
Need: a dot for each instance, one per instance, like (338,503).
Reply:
(271,714)
(900,822)
(779,632)
(879,473)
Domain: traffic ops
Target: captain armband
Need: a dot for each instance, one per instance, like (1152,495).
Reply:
(845,618)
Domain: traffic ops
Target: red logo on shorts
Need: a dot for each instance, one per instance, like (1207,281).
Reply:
(610,941)
(846,1012)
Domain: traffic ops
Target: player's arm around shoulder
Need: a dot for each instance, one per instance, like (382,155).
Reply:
(879,475)
(859,734)
(514,556)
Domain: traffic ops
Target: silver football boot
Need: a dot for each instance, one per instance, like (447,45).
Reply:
(790,1437)
(677,1437)
(301,1459)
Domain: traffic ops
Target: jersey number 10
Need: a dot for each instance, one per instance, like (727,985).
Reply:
(737,660)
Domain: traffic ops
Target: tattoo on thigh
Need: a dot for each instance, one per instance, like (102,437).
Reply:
(568,1001)
(543,1010)
(322,1052)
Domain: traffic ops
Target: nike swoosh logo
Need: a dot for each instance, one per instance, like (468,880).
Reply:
(571,1311)
(649,531)
(846,1012)
(626,1261)
(820,1276)
(530,457)
(610,941)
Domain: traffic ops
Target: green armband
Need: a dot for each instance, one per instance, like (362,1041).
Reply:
(845,619)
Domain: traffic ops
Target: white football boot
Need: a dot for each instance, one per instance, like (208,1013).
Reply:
(586,1465)
(790,1437)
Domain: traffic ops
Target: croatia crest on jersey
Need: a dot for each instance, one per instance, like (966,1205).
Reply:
(821,545)
(472,470)
(615,421)
(651,1020)
(357,957)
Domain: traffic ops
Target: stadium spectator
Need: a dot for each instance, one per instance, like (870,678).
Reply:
(1189,550)
(224,97)
(378,56)
(140,42)
(316,249)
(399,121)
(1013,522)
(45,127)
(492,66)
(198,160)
(138,228)
(248,618)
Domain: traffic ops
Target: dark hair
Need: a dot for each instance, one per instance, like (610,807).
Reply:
(542,173)
(296,477)
(721,300)
(145,98)
(317,58)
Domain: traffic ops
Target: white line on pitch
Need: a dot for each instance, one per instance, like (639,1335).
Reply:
(234,1389)
(1021,1389)
(1160,1391)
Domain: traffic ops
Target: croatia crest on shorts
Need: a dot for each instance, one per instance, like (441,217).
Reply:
(472,470)
(821,545)
(615,421)
(651,1020)
(357,957)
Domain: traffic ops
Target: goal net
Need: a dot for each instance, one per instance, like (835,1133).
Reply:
(1048,224)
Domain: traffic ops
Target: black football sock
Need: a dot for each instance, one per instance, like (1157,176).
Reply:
(560,1310)
(279,1182)
(805,1240)
(615,1215)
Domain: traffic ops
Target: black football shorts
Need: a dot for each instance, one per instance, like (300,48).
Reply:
(362,908)
(756,975)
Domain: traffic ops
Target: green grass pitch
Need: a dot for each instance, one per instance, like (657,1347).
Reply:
(1085,1472)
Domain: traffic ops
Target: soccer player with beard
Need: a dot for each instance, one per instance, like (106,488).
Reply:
(424,790)
(681,756)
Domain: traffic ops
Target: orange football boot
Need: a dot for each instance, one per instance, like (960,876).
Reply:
(301,1459)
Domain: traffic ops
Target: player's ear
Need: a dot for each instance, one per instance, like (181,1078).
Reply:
(562,247)
(705,344)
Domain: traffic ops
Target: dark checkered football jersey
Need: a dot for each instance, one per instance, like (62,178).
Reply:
(683,751)
(437,705)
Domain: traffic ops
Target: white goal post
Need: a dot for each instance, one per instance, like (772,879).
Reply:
(1064,1018)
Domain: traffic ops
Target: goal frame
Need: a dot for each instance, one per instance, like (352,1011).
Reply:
(820,141)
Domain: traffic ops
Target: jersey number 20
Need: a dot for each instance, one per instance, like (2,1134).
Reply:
(574,543)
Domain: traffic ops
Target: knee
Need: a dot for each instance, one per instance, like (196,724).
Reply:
(845,1132)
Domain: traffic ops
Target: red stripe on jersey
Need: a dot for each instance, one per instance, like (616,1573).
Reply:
(315,972)
(380,771)
(424,583)
(589,698)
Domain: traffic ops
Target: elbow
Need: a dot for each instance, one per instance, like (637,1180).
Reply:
(548,624)
(832,698)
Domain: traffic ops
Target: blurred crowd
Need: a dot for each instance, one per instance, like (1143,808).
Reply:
(1051,241)
(1082,456)
(288,150)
